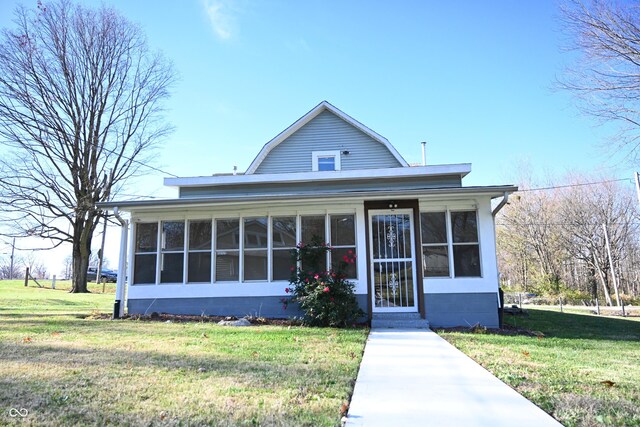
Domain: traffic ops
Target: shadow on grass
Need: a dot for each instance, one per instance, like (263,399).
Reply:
(68,376)
(577,326)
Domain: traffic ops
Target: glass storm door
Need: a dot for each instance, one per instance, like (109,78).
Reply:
(392,260)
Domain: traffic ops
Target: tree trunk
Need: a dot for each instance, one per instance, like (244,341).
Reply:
(81,253)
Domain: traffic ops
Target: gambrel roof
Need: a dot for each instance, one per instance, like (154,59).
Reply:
(315,112)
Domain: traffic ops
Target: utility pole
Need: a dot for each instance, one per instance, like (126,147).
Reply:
(104,235)
(638,185)
(101,253)
(613,270)
(13,249)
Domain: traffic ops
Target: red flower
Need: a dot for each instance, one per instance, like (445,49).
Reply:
(316,277)
(331,299)
(287,290)
(326,289)
(350,252)
(345,258)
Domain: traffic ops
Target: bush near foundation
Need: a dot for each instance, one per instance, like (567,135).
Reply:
(325,296)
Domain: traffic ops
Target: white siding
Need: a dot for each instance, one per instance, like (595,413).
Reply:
(327,132)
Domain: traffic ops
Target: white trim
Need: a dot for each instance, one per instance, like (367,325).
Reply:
(461,169)
(315,155)
(323,106)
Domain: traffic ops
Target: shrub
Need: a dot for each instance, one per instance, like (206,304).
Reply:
(325,296)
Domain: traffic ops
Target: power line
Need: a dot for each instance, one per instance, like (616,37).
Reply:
(573,185)
(134,160)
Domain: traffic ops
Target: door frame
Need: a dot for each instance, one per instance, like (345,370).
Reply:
(404,205)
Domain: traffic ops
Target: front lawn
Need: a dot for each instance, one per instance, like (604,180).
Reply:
(585,370)
(65,368)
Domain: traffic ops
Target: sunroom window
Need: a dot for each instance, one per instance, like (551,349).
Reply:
(199,255)
(343,242)
(435,248)
(227,250)
(172,254)
(445,235)
(145,253)
(255,248)
(283,242)
(466,249)
(245,249)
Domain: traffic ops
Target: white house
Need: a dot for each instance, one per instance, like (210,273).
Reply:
(425,244)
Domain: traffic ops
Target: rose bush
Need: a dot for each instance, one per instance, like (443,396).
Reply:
(325,296)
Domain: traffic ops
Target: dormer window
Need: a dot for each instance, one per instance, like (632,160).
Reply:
(326,161)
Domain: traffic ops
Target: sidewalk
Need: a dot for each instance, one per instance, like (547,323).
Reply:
(412,377)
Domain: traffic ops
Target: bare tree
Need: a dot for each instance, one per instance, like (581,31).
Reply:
(80,106)
(68,267)
(529,239)
(585,210)
(554,239)
(36,267)
(6,266)
(606,77)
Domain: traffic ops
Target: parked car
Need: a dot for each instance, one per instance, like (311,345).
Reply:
(107,275)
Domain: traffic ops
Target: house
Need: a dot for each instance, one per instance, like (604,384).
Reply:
(425,243)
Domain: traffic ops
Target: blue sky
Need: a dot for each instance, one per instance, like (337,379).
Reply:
(474,79)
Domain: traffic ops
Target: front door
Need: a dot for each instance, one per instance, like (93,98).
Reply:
(392,251)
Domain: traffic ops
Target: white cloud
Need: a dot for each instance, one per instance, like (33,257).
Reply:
(221,17)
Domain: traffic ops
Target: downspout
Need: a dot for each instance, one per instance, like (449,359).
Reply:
(504,201)
(118,306)
(500,296)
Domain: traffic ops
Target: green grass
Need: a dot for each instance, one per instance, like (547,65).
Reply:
(585,371)
(66,369)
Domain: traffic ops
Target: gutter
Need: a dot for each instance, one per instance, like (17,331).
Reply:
(500,293)
(504,201)
(297,196)
(118,305)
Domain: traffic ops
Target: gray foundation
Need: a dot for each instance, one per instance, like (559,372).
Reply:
(269,307)
(448,310)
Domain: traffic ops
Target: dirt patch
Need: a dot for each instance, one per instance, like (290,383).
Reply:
(178,318)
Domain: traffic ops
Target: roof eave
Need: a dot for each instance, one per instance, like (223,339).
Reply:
(128,205)
(461,169)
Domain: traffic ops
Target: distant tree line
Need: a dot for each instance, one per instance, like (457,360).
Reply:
(552,242)
(36,267)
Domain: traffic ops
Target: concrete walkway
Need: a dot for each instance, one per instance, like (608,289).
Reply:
(413,377)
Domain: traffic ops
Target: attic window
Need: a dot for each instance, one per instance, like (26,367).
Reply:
(326,161)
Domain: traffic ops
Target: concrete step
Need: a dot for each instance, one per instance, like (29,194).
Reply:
(399,321)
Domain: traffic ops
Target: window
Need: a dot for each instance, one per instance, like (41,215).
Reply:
(466,249)
(146,248)
(237,249)
(342,238)
(435,249)
(283,242)
(343,241)
(199,255)
(462,226)
(227,250)
(325,161)
(255,248)
(172,255)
